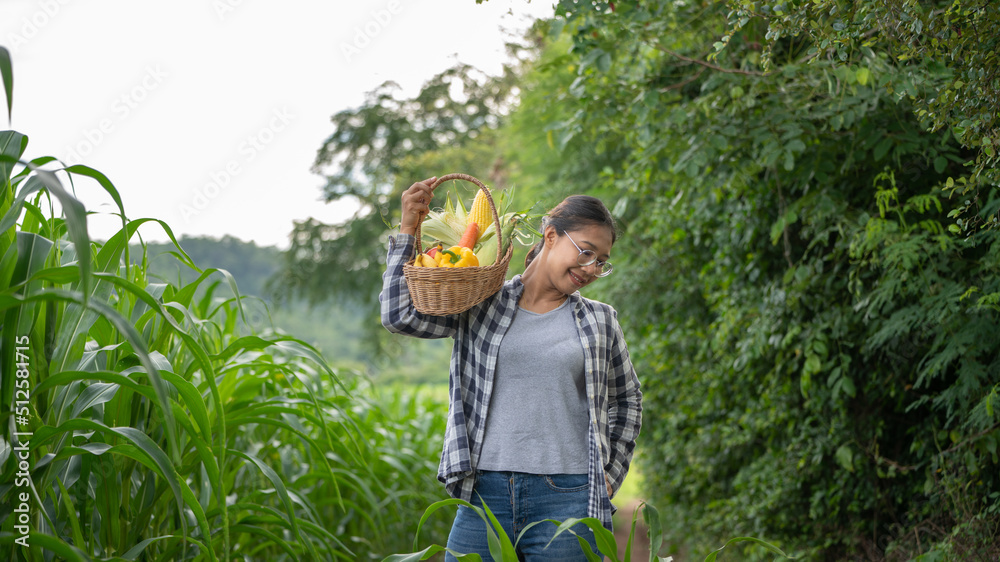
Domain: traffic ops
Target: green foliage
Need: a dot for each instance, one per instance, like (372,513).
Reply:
(943,54)
(818,341)
(165,425)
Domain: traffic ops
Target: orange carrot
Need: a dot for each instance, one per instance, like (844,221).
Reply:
(470,237)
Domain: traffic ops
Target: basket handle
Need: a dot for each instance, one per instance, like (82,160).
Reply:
(489,198)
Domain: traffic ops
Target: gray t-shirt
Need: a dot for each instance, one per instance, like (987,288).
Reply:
(537,421)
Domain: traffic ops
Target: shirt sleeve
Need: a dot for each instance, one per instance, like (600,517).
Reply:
(398,314)
(624,408)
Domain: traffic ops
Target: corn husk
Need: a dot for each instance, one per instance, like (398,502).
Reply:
(487,250)
(443,226)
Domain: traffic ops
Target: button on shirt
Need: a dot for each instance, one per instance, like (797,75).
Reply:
(612,386)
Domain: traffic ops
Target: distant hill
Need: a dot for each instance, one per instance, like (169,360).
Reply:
(249,263)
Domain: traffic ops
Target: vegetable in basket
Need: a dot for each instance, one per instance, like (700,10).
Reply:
(456,256)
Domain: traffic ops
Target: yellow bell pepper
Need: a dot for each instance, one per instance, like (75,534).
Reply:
(423,260)
(457,256)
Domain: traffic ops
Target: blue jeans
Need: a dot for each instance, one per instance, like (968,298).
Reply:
(518,499)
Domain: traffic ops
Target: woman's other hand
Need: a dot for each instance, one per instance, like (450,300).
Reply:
(416,204)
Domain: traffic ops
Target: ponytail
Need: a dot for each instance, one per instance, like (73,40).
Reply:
(533,253)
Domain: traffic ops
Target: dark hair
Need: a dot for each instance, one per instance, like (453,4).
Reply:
(575,211)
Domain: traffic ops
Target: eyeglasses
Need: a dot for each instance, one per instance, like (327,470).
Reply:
(589,257)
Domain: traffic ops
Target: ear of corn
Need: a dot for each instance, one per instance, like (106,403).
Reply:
(487,251)
(444,226)
(481,213)
(460,211)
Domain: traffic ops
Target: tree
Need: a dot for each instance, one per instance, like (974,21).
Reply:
(377,151)
(945,59)
(807,323)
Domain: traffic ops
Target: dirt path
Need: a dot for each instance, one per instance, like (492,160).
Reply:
(623,524)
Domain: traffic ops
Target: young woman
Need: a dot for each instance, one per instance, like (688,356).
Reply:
(545,406)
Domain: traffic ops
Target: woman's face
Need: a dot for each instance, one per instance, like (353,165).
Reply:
(564,271)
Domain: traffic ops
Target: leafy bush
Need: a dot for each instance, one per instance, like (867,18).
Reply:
(817,334)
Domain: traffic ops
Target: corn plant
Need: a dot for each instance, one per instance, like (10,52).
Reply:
(147,418)
(502,549)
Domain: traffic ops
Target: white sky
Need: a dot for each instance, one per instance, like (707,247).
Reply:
(208,114)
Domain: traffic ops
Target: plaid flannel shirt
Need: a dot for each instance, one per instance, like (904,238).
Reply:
(615,401)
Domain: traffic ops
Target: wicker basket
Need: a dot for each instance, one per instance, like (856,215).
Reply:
(440,291)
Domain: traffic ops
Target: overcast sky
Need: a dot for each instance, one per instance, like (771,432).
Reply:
(207,114)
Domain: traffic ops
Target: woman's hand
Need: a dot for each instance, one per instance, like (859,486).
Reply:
(607,483)
(416,204)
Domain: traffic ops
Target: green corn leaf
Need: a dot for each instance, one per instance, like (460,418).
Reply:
(36,222)
(76,224)
(631,533)
(711,557)
(31,253)
(139,453)
(136,550)
(591,557)
(70,514)
(279,486)
(95,394)
(32,185)
(261,421)
(140,448)
(433,508)
(429,552)
(245,343)
(104,182)
(500,546)
(202,446)
(50,543)
(253,529)
(321,531)
(605,539)
(180,254)
(417,556)
(12,147)
(66,377)
(124,327)
(7,72)
(652,518)
(30,165)
(142,441)
(194,400)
